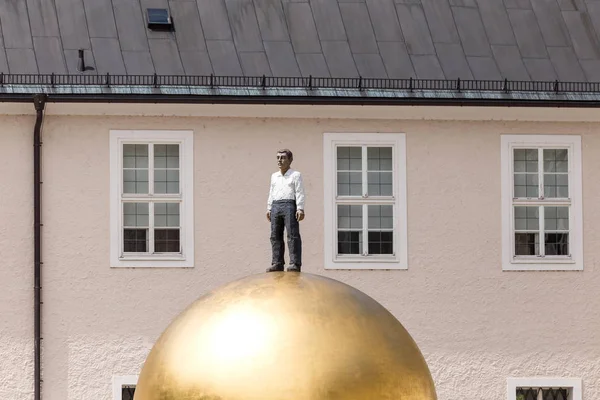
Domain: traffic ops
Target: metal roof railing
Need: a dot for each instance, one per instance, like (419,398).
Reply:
(310,82)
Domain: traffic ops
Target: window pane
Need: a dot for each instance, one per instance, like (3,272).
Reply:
(379,158)
(166,181)
(380,217)
(127,392)
(135,181)
(349,217)
(526,166)
(525,154)
(135,156)
(166,156)
(349,229)
(381,242)
(349,158)
(349,242)
(135,214)
(556,218)
(556,244)
(166,214)
(135,240)
(527,244)
(527,218)
(556,160)
(380,183)
(349,184)
(381,221)
(556,185)
(526,185)
(166,241)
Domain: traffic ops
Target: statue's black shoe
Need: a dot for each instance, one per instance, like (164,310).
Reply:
(293,268)
(275,269)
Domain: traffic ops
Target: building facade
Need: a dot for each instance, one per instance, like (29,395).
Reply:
(465,206)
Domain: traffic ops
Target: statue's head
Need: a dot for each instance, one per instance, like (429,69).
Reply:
(284,159)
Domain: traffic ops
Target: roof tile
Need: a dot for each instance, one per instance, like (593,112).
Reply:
(255,63)
(223,57)
(73,26)
(215,22)
(303,30)
(328,20)
(188,29)
(440,21)
(165,56)
(471,31)
(358,28)
(271,20)
(386,25)
(484,68)
(138,62)
(130,25)
(527,32)
(244,25)
(42,17)
(196,62)
(108,56)
(427,67)
(414,27)
(453,61)
(370,65)
(49,55)
(100,18)
(281,59)
(396,60)
(21,61)
(541,68)
(313,64)
(339,59)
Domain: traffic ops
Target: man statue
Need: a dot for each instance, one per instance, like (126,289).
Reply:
(285,208)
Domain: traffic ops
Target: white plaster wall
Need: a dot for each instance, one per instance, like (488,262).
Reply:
(475,324)
(16,257)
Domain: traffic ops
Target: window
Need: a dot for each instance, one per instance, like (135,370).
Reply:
(544,389)
(151,198)
(124,387)
(541,202)
(365,201)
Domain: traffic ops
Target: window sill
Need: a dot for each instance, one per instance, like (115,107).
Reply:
(152,262)
(546,265)
(366,264)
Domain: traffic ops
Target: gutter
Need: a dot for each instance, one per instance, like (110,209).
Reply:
(305,100)
(212,89)
(39,102)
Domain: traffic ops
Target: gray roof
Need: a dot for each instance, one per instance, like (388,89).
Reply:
(425,39)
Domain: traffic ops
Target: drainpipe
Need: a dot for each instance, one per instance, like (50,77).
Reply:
(39,102)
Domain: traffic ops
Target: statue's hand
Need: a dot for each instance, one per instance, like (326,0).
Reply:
(269,216)
(300,215)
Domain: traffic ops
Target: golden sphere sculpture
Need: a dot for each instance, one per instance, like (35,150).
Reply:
(285,336)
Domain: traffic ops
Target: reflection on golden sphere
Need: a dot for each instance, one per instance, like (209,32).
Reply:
(285,336)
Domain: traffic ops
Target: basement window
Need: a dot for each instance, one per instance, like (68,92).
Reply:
(544,389)
(124,387)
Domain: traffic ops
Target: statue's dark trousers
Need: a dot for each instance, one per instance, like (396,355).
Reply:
(283,215)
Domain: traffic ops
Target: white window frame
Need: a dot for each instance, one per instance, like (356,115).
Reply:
(398,142)
(118,381)
(512,384)
(185,139)
(575,261)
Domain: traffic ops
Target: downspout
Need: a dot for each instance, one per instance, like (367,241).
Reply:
(39,102)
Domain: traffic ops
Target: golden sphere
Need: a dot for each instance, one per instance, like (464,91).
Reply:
(285,336)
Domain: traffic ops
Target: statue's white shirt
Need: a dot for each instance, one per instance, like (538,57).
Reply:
(287,187)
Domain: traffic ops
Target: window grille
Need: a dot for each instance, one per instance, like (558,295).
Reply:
(537,393)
